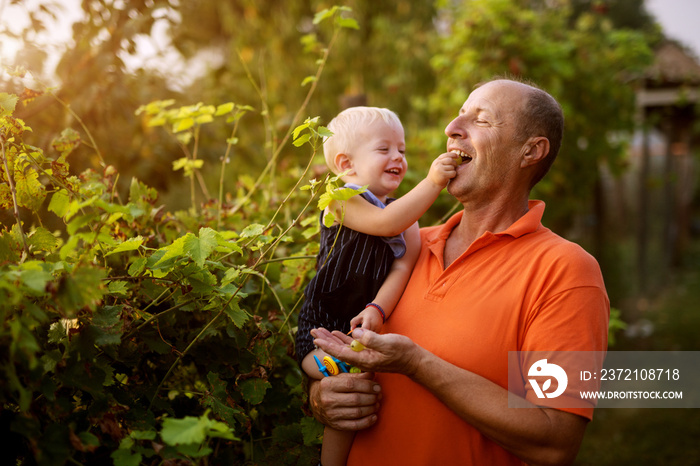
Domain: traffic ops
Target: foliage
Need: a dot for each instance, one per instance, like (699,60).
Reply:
(585,52)
(112,305)
(186,122)
(615,325)
(97,84)
(140,336)
(384,61)
(583,61)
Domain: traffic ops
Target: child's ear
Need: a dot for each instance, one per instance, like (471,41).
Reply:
(343,162)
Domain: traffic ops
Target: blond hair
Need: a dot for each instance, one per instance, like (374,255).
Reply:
(346,126)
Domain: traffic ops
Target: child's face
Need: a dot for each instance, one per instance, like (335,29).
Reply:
(378,158)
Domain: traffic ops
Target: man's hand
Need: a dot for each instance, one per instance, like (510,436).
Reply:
(345,401)
(382,353)
(544,435)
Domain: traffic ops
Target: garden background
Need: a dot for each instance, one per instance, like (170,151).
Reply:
(159,219)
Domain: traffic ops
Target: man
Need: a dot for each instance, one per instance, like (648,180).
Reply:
(490,280)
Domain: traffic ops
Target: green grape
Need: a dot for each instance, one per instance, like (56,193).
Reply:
(357,346)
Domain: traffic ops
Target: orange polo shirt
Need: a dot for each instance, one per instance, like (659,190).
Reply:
(523,289)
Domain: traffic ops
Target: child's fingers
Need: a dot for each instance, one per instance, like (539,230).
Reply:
(443,168)
(448,156)
(356,321)
(449,160)
(448,165)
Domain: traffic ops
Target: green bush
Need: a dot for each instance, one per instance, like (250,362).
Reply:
(138,336)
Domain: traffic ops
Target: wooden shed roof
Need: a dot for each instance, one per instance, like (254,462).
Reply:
(673,66)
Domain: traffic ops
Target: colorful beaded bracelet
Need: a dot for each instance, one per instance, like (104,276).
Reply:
(379,308)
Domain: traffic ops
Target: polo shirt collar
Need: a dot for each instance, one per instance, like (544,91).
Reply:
(531,221)
(528,223)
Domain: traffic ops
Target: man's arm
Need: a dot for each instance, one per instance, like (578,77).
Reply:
(536,435)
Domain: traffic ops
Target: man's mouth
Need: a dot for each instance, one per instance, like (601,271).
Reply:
(462,157)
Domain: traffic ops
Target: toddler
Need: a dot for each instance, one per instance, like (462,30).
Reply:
(366,256)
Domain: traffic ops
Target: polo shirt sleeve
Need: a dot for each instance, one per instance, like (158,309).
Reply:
(570,315)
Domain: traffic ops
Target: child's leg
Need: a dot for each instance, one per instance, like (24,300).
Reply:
(336,446)
(336,443)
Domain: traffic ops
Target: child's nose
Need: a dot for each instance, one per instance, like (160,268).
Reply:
(396,154)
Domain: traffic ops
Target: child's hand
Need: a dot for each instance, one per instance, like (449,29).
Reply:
(443,169)
(369,319)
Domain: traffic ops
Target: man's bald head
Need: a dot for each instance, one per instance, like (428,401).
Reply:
(539,115)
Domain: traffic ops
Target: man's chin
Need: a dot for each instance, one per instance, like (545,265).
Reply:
(456,189)
(452,187)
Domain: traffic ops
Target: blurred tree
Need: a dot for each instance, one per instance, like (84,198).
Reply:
(581,58)
(624,14)
(98,88)
(32,55)
(419,58)
(382,64)
(226,45)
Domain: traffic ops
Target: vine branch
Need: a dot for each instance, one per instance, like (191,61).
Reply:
(294,122)
(15,210)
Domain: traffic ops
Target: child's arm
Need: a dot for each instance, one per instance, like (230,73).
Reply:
(394,284)
(387,297)
(395,218)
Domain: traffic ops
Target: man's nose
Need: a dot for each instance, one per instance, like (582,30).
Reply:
(455,129)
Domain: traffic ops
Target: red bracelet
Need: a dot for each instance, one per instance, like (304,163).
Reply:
(379,308)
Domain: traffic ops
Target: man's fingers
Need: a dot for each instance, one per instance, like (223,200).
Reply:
(366,337)
(320,333)
(352,383)
(336,336)
(350,410)
(355,424)
(342,337)
(366,406)
(346,402)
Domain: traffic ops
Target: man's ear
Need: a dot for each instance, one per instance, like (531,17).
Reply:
(343,162)
(534,150)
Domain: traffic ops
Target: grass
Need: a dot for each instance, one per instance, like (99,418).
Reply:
(642,437)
